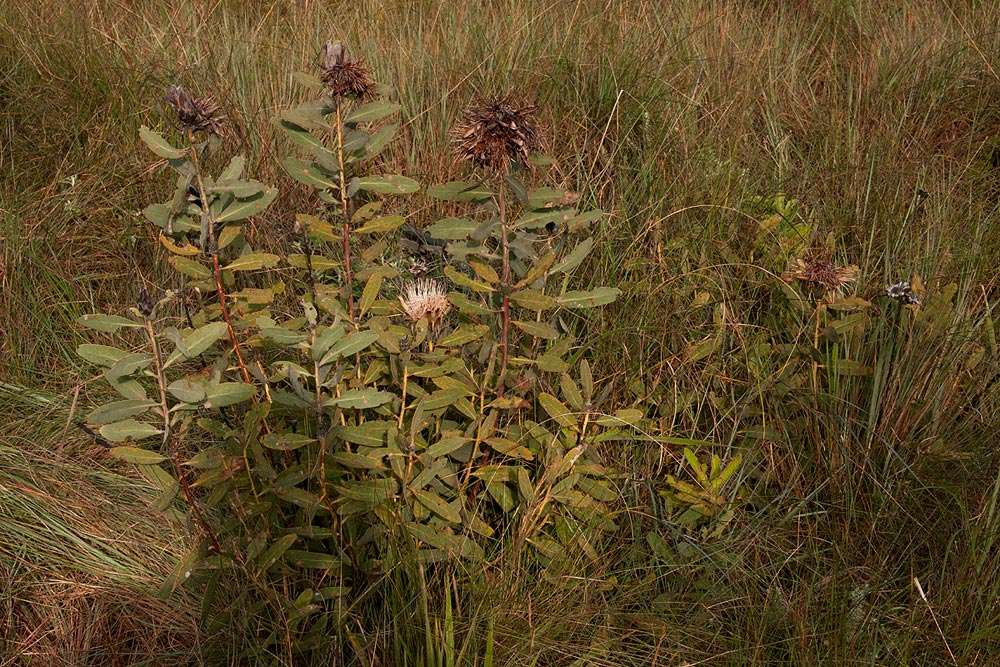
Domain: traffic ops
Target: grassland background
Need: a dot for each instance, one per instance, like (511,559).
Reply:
(881,118)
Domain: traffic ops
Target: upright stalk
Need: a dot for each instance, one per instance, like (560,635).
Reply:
(505,286)
(346,212)
(216,269)
(168,441)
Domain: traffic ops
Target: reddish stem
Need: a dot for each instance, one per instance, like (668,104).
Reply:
(221,292)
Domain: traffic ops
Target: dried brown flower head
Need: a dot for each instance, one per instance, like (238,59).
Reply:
(145,303)
(344,77)
(496,133)
(816,271)
(425,298)
(195,114)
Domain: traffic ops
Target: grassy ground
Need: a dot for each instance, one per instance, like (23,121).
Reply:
(864,526)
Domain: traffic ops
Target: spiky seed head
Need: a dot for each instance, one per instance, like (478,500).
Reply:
(344,77)
(496,133)
(817,271)
(196,114)
(425,297)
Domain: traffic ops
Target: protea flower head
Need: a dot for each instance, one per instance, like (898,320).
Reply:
(195,114)
(496,133)
(425,297)
(344,77)
(904,293)
(816,271)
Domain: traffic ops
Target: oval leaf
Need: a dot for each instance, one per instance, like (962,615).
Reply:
(128,429)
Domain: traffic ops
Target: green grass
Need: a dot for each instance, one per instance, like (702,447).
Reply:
(881,118)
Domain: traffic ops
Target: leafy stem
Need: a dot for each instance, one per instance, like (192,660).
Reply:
(505,286)
(168,441)
(346,212)
(216,269)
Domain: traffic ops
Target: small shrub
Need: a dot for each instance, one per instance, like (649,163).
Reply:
(317,447)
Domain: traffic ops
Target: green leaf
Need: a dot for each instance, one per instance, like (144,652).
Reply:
(202,338)
(240,209)
(299,497)
(325,340)
(586,380)
(227,393)
(107,323)
(310,174)
(443,398)
(234,169)
(555,409)
(370,292)
(129,389)
(159,145)
(379,140)
(390,184)
(276,551)
(360,398)
(127,365)
(446,446)
(158,214)
(188,390)
(296,126)
(510,448)
(285,441)
(537,329)
(386,223)
(543,198)
(466,305)
(369,434)
(137,455)
(452,229)
(437,504)
(571,392)
(464,334)
(359,461)
(349,345)
(237,188)
(371,491)
(253,261)
(459,191)
(118,410)
(190,268)
(460,278)
(459,545)
(591,299)
(532,300)
(311,560)
(102,355)
(128,429)
(570,262)
(367,113)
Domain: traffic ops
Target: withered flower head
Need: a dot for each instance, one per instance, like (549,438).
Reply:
(195,114)
(904,293)
(145,303)
(425,298)
(344,77)
(817,271)
(496,133)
